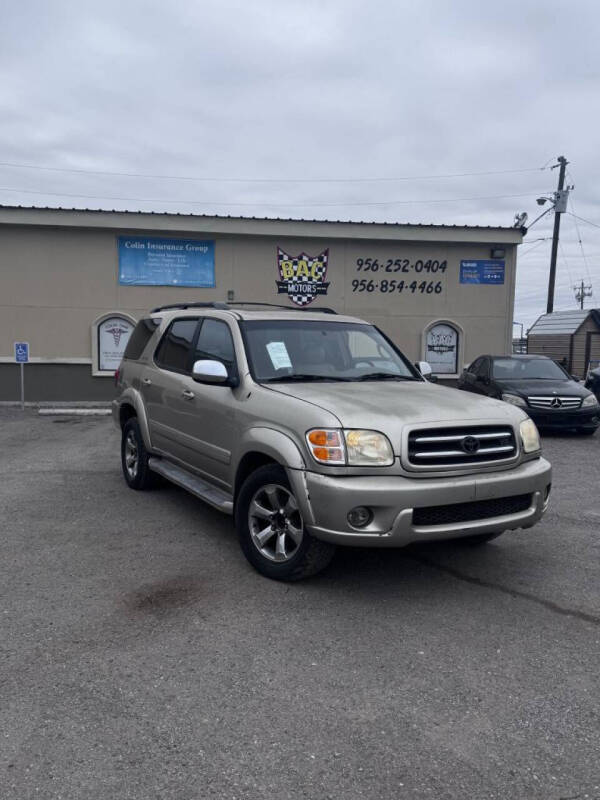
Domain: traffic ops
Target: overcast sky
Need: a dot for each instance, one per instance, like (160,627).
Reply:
(295,91)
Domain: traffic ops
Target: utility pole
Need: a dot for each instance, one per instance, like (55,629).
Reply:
(560,204)
(581,292)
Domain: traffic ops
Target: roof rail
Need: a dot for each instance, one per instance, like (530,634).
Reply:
(322,309)
(228,306)
(222,306)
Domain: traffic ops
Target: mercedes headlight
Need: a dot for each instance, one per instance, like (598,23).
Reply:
(529,436)
(589,401)
(514,400)
(368,449)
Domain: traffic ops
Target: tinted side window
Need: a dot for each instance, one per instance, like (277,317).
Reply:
(475,366)
(175,346)
(484,368)
(215,342)
(140,337)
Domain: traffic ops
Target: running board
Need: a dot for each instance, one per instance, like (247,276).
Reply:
(205,491)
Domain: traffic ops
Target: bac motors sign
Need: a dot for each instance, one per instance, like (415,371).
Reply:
(302,277)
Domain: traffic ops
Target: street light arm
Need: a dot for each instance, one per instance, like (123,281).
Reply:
(525,229)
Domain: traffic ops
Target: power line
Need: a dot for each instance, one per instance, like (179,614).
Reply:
(266,205)
(534,247)
(564,258)
(212,179)
(579,234)
(581,219)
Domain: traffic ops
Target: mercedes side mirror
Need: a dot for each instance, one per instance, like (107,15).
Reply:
(209,371)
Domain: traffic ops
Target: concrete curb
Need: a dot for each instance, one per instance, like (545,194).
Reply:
(79,412)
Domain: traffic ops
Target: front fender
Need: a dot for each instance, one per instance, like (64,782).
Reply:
(133,398)
(282,449)
(272,443)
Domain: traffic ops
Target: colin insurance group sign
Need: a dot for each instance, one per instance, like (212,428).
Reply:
(149,261)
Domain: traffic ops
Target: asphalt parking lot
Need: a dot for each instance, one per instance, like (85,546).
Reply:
(143,658)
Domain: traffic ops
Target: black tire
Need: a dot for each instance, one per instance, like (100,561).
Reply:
(138,476)
(308,557)
(478,539)
(586,431)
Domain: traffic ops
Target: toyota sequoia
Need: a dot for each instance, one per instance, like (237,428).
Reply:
(313,430)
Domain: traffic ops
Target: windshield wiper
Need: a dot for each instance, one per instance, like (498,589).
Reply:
(384,376)
(297,376)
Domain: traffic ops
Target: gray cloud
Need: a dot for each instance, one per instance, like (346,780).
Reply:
(311,90)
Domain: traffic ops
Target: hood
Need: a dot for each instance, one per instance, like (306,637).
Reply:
(388,406)
(524,388)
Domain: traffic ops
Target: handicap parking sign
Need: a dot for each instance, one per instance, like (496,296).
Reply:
(21,352)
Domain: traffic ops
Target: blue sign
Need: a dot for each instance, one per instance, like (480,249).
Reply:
(166,262)
(21,352)
(490,272)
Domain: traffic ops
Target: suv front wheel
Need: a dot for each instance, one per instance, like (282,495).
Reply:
(271,529)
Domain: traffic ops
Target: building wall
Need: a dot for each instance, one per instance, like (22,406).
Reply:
(579,346)
(55,281)
(553,345)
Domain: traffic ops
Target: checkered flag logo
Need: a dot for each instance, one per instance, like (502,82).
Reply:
(302,277)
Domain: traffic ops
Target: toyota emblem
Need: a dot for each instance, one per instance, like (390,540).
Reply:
(556,402)
(470,444)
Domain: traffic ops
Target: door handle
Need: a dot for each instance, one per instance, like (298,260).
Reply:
(146,381)
(187,395)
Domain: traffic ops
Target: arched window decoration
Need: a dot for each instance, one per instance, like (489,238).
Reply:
(110,334)
(442,347)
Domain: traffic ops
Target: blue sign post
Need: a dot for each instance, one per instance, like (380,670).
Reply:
(22,358)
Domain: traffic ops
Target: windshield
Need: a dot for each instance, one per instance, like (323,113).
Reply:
(288,350)
(515,369)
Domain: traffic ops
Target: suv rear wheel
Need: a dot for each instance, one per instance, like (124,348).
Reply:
(134,457)
(271,529)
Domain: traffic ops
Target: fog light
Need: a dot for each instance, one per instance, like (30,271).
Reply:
(360,516)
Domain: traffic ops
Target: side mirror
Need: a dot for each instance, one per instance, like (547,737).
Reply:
(209,371)
(483,379)
(424,368)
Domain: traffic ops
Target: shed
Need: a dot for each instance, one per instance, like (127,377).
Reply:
(572,337)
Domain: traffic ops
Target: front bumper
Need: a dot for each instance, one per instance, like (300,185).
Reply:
(564,420)
(325,502)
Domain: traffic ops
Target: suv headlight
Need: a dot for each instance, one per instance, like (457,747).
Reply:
(589,401)
(355,448)
(368,448)
(529,436)
(514,400)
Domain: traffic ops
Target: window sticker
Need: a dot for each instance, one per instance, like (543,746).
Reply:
(279,355)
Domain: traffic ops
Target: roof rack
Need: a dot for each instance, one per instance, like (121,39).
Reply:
(228,306)
(222,306)
(322,309)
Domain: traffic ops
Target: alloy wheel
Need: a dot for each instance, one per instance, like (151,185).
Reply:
(275,523)
(131,455)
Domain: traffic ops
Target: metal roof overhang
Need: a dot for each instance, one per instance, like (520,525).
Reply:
(253,226)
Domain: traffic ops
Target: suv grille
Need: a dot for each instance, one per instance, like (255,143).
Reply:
(554,402)
(467,512)
(444,447)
